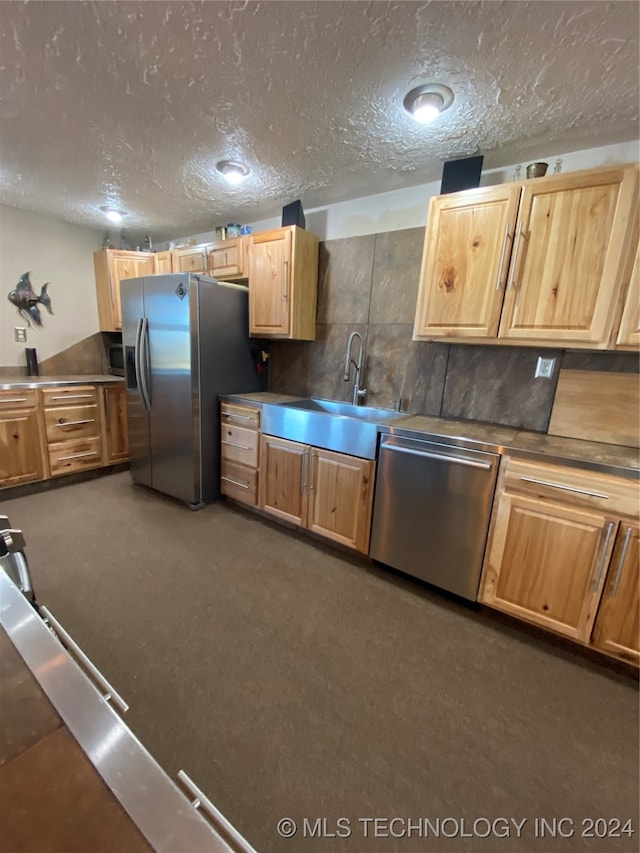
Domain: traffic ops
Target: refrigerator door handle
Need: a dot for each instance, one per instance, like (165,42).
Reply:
(144,364)
(137,361)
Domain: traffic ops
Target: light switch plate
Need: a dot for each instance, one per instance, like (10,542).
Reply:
(20,334)
(544,368)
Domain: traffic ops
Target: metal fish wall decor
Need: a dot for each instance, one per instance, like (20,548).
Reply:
(26,299)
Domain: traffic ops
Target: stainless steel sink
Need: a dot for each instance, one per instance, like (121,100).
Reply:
(330,424)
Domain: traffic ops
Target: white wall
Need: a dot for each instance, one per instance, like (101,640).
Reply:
(407,208)
(56,252)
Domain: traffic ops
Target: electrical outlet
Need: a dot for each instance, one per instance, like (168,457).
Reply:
(20,334)
(544,368)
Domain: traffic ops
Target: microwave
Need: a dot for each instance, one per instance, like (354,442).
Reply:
(115,356)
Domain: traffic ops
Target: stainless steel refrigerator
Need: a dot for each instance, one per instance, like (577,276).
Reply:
(186,341)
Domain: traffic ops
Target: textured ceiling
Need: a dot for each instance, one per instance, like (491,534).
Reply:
(133,103)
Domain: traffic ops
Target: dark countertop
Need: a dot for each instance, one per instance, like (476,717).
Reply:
(8,382)
(596,456)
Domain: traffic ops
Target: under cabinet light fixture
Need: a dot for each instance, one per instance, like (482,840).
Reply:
(112,213)
(425,103)
(232,170)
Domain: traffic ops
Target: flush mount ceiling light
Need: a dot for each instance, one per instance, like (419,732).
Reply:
(112,213)
(232,170)
(425,103)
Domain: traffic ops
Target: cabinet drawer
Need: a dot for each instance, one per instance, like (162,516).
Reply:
(78,395)
(239,482)
(573,486)
(20,398)
(65,457)
(71,422)
(239,445)
(244,416)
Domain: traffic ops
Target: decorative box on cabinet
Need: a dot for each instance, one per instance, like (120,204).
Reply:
(556,547)
(538,262)
(283,284)
(72,417)
(240,449)
(111,267)
(23,456)
(326,492)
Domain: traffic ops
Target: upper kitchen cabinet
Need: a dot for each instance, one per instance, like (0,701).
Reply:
(283,284)
(191,259)
(466,251)
(538,262)
(229,259)
(111,267)
(629,332)
(164,262)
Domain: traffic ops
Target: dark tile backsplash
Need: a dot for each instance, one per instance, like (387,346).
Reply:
(370,284)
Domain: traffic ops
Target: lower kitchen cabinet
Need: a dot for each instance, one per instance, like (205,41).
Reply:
(556,553)
(22,458)
(326,492)
(115,432)
(239,452)
(73,423)
(617,628)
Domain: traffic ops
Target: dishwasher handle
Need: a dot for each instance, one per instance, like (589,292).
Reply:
(443,457)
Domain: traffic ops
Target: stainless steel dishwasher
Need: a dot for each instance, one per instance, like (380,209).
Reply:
(431,511)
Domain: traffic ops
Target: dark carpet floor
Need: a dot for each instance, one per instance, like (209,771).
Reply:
(290,680)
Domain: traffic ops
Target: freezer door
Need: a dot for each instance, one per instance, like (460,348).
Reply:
(170,379)
(131,295)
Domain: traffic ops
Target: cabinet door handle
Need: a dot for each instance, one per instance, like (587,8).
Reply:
(565,488)
(303,472)
(235,444)
(76,423)
(312,456)
(623,557)
(605,547)
(285,277)
(107,409)
(502,256)
(235,482)
(514,265)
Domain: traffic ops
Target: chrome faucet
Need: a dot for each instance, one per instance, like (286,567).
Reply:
(358,392)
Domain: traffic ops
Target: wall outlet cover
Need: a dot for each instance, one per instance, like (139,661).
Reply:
(544,368)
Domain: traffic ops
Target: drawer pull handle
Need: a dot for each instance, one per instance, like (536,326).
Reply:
(73,397)
(237,417)
(235,482)
(605,547)
(78,455)
(623,557)
(76,423)
(234,444)
(14,400)
(565,488)
(59,631)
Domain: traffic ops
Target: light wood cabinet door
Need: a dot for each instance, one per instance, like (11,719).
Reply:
(164,262)
(111,267)
(116,436)
(546,563)
(466,255)
(629,332)
(340,498)
(569,255)
(190,259)
(617,626)
(283,284)
(21,447)
(227,259)
(284,471)
(270,283)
